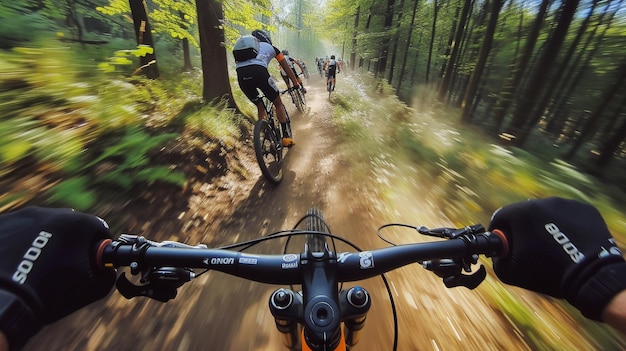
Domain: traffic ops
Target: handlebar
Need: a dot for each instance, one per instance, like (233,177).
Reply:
(321,307)
(136,251)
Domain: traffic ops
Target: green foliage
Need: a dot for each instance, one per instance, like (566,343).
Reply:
(217,122)
(74,193)
(120,58)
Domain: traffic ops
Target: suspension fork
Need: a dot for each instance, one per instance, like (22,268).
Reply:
(321,308)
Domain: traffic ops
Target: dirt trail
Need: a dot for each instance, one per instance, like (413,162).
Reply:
(218,312)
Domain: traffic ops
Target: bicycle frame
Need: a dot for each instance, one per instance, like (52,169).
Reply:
(321,308)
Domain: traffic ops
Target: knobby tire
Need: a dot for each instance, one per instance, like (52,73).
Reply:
(302,99)
(315,223)
(268,151)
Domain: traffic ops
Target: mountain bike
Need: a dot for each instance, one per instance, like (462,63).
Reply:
(323,315)
(298,97)
(329,87)
(268,146)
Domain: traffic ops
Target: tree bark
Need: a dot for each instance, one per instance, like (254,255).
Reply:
(591,124)
(408,47)
(513,82)
(216,85)
(143,32)
(454,52)
(433,29)
(521,125)
(472,87)
(381,65)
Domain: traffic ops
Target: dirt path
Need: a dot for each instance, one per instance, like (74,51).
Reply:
(218,312)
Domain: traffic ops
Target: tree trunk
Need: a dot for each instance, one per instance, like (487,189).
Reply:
(521,125)
(454,52)
(216,85)
(472,87)
(573,77)
(187,66)
(591,124)
(607,150)
(354,34)
(408,46)
(381,65)
(396,39)
(143,32)
(433,29)
(513,82)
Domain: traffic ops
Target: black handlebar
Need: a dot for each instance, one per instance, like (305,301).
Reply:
(286,269)
(321,307)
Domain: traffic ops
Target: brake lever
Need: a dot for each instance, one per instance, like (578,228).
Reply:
(451,272)
(162,283)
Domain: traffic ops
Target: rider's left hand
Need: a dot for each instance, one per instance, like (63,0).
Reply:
(47,268)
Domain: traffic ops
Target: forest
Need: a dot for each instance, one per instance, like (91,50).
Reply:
(544,76)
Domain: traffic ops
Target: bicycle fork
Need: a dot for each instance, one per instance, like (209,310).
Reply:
(288,310)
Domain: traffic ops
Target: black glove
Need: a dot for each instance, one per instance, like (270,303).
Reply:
(47,268)
(561,248)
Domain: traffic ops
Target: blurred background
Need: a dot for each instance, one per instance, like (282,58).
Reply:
(445,110)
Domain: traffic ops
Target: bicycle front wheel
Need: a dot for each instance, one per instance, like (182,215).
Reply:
(269,151)
(315,223)
(302,99)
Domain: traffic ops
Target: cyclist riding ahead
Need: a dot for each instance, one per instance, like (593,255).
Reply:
(292,64)
(252,56)
(49,262)
(332,68)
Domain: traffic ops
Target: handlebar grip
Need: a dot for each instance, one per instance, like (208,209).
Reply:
(99,250)
(504,240)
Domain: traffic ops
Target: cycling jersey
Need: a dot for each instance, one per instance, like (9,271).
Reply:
(332,68)
(292,65)
(266,53)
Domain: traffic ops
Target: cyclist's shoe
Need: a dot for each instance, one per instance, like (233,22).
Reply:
(288,142)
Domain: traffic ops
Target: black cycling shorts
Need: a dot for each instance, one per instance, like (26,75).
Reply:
(332,72)
(255,77)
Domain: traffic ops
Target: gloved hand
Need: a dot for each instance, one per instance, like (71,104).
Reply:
(561,248)
(47,269)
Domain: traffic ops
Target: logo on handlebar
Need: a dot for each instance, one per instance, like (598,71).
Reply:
(367,260)
(290,261)
(343,257)
(222,260)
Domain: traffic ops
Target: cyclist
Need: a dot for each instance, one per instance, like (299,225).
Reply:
(252,74)
(331,67)
(292,64)
(558,247)
(320,65)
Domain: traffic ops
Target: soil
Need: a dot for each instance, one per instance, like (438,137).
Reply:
(226,201)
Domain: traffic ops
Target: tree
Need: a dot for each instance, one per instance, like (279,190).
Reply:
(591,125)
(143,32)
(384,52)
(436,7)
(216,85)
(408,47)
(454,51)
(524,120)
(472,87)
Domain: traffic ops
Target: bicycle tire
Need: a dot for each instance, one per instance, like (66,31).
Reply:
(295,96)
(268,151)
(315,223)
(329,87)
(302,99)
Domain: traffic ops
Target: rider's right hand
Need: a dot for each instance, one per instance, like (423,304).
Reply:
(47,269)
(561,248)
